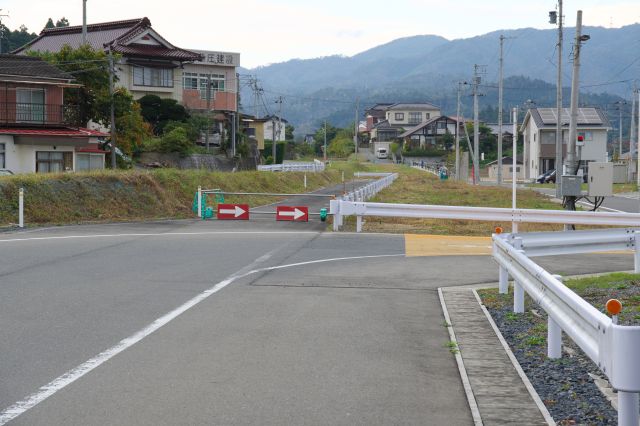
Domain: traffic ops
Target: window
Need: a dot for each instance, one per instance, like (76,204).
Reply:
(414,117)
(87,161)
(399,116)
(427,115)
(2,156)
(190,81)
(517,169)
(30,105)
(53,161)
(155,77)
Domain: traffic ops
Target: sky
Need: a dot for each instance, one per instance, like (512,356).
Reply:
(270,31)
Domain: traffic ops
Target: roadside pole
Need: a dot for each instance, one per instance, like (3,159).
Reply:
(514,174)
(21,208)
(113,112)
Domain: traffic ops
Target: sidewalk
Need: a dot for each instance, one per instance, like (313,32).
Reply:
(495,388)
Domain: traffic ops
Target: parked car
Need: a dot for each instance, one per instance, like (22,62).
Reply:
(5,172)
(546,176)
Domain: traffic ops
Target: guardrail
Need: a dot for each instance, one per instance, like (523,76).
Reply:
(614,348)
(354,207)
(315,166)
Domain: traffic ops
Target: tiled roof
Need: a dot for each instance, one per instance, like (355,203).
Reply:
(81,132)
(415,106)
(28,66)
(117,34)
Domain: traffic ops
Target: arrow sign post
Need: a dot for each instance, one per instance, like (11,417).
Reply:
(233,211)
(292,214)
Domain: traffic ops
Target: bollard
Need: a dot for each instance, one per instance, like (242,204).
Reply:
(305,181)
(199,201)
(21,208)
(503,282)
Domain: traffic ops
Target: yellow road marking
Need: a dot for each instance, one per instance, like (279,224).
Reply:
(446,245)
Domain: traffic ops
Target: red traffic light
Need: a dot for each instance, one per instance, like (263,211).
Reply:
(580,138)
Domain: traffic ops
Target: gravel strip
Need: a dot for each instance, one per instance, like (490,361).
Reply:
(564,385)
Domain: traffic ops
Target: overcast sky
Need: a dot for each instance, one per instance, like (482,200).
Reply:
(268,31)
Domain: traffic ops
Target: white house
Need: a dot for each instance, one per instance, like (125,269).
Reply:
(539,130)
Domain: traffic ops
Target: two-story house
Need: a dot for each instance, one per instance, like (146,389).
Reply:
(38,132)
(539,130)
(429,132)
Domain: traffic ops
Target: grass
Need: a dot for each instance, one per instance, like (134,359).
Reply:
(452,346)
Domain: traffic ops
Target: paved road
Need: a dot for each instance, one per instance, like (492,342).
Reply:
(629,203)
(164,323)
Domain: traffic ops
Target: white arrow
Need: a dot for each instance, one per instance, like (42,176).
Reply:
(296,213)
(237,211)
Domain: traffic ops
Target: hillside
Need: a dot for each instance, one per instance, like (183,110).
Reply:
(426,67)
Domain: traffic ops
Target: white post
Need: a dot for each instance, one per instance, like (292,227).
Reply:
(554,339)
(514,174)
(305,180)
(636,254)
(358,223)
(628,408)
(343,177)
(503,283)
(199,201)
(21,208)
(518,290)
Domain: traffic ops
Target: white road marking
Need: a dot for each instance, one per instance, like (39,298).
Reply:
(76,373)
(588,204)
(158,234)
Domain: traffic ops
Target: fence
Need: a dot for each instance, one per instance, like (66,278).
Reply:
(315,166)
(354,207)
(614,348)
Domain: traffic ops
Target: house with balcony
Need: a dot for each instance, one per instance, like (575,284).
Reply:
(429,133)
(539,131)
(38,131)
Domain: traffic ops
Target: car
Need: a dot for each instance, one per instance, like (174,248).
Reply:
(551,178)
(5,172)
(544,178)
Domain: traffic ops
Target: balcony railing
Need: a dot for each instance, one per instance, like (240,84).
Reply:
(38,115)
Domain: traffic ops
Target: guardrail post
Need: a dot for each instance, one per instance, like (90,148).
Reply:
(503,282)
(628,408)
(21,208)
(518,290)
(199,201)
(358,223)
(636,253)
(554,335)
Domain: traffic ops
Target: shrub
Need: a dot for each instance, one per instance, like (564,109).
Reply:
(176,141)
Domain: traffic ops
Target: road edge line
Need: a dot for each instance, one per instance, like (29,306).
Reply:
(471,399)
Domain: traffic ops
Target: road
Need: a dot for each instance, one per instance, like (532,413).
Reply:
(628,202)
(212,322)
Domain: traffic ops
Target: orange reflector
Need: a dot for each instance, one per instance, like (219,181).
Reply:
(614,307)
(498,230)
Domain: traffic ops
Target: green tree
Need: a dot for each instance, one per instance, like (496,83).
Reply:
(158,112)
(49,24)
(340,147)
(288,132)
(318,137)
(62,22)
(176,141)
(12,40)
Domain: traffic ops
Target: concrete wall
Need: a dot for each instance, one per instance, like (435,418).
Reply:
(195,161)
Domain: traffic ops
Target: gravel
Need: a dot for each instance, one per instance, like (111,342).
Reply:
(564,385)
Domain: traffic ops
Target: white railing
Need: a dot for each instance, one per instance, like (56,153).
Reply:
(614,348)
(315,166)
(354,207)
(359,195)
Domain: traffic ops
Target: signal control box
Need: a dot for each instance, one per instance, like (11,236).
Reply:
(570,186)
(600,179)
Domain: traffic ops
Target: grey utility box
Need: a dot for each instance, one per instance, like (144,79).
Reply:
(600,179)
(570,186)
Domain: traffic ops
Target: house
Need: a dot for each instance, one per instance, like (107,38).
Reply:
(397,118)
(274,128)
(507,168)
(539,130)
(38,132)
(427,133)
(262,129)
(309,138)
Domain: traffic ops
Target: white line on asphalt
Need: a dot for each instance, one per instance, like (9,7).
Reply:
(76,373)
(588,204)
(158,234)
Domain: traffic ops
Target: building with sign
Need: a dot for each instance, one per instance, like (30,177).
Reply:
(539,130)
(218,69)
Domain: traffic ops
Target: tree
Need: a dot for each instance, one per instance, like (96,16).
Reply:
(12,40)
(340,147)
(176,141)
(49,24)
(62,22)
(288,132)
(158,112)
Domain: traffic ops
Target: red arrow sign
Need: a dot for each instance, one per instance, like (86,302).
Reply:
(233,211)
(291,213)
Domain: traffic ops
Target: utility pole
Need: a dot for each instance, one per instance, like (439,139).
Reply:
(500,92)
(573,161)
(620,103)
(632,129)
(355,134)
(208,92)
(273,126)
(637,93)
(113,111)
(559,138)
(325,140)
(476,124)
(460,83)
(84,22)
(2,28)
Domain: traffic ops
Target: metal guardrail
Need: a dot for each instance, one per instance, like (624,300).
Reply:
(355,207)
(315,166)
(614,348)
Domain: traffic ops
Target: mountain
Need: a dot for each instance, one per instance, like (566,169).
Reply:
(427,67)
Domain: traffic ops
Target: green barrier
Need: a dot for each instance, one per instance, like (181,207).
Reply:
(323,214)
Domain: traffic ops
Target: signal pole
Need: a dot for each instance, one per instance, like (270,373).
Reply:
(500,92)
(559,141)
(476,124)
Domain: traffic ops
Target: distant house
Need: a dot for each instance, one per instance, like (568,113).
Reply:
(507,168)
(309,138)
(398,118)
(38,132)
(539,130)
(274,128)
(426,134)
(262,129)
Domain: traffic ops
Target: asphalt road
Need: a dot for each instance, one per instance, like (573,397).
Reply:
(629,203)
(212,322)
